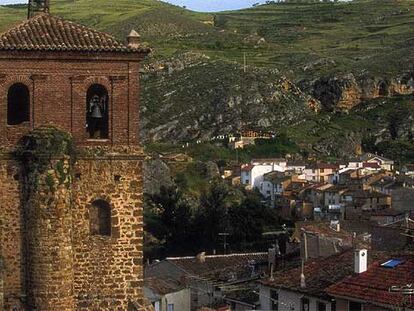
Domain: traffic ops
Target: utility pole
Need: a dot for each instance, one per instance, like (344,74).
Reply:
(244,62)
(224,235)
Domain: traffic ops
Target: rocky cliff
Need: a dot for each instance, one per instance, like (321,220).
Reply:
(347,91)
(193,97)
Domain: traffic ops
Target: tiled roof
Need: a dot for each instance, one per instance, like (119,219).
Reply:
(247,168)
(324,229)
(162,286)
(216,265)
(374,284)
(45,32)
(319,274)
(364,194)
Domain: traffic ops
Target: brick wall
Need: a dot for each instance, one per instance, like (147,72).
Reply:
(58,83)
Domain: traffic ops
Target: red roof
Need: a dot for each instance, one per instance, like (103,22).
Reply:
(319,273)
(374,284)
(247,168)
(45,32)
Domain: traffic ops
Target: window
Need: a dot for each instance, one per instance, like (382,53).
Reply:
(18,104)
(304,303)
(170,307)
(321,306)
(274,300)
(354,306)
(100,218)
(97,112)
(322,170)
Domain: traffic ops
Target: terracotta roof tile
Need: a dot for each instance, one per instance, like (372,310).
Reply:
(374,284)
(320,273)
(45,32)
(218,263)
(323,273)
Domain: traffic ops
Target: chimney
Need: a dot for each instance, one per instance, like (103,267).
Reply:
(360,260)
(201,258)
(133,40)
(335,225)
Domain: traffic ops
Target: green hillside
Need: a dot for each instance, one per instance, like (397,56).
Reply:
(331,50)
(373,35)
(303,39)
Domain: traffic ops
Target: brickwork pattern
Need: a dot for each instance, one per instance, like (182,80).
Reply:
(58,89)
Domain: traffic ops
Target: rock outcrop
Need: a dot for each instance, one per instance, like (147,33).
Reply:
(347,91)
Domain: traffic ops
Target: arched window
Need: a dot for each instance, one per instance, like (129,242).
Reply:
(18,104)
(100,218)
(97,112)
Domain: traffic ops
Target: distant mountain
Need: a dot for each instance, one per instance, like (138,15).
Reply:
(344,55)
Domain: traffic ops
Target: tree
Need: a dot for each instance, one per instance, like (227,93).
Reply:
(174,218)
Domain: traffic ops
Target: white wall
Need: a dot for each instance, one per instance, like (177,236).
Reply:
(257,173)
(180,300)
(245,176)
(288,300)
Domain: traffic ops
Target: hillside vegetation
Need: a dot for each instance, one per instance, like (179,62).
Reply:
(347,55)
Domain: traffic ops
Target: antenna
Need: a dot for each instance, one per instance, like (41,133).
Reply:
(244,62)
(37,6)
(225,235)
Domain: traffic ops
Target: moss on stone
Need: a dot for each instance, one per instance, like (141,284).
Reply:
(37,150)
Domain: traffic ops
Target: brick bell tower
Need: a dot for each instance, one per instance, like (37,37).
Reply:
(71,226)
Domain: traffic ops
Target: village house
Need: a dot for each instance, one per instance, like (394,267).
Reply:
(275,183)
(378,286)
(362,202)
(304,289)
(252,174)
(320,172)
(387,216)
(384,163)
(167,294)
(321,238)
(354,280)
(394,236)
(209,277)
(408,170)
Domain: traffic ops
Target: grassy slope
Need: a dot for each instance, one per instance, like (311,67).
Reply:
(363,34)
(356,35)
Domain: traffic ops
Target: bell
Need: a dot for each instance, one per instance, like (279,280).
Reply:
(96,112)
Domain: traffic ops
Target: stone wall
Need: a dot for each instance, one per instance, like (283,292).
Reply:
(11,238)
(48,219)
(108,269)
(64,266)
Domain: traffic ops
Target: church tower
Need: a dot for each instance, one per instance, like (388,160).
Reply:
(71,230)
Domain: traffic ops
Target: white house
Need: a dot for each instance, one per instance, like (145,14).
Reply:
(167,295)
(252,174)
